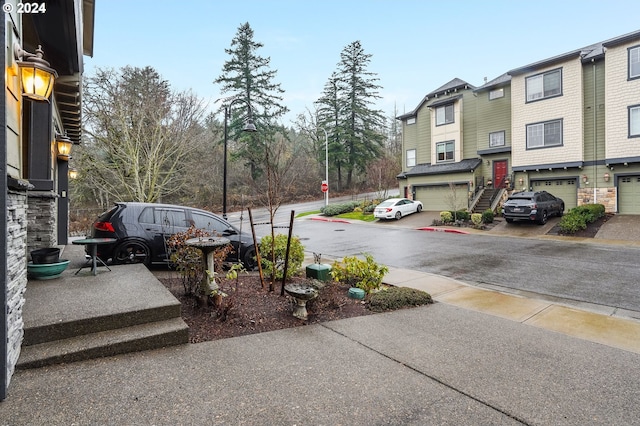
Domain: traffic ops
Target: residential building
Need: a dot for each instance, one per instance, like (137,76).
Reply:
(566,124)
(37,132)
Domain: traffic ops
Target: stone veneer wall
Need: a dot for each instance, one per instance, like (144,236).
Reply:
(16,274)
(42,216)
(605,196)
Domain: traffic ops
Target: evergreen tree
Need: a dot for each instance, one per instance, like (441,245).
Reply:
(347,108)
(247,76)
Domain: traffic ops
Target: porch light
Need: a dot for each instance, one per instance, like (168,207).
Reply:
(64,147)
(73,173)
(606,177)
(36,76)
(521,181)
(584,178)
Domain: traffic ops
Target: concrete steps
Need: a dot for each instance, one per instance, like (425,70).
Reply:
(79,317)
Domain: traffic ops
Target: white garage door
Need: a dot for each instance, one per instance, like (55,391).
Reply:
(439,198)
(561,188)
(629,194)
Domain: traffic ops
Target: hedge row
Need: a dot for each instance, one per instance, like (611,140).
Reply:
(578,217)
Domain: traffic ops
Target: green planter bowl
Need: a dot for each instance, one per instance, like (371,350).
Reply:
(46,271)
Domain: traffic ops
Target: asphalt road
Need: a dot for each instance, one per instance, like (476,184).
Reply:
(591,273)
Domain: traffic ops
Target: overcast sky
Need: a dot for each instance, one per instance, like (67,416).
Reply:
(416,45)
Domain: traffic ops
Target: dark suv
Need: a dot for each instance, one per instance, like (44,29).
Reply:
(533,206)
(142,230)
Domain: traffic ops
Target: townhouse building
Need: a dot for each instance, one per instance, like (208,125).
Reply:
(568,125)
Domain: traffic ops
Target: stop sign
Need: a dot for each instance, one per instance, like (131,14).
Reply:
(324,186)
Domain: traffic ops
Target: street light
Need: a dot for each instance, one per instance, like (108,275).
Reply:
(326,164)
(248,127)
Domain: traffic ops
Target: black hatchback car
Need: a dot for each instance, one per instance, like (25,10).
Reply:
(142,230)
(532,206)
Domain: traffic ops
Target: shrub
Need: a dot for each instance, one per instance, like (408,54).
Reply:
(461,215)
(398,297)
(476,219)
(339,208)
(188,260)
(578,217)
(572,223)
(296,255)
(365,274)
(446,217)
(487,216)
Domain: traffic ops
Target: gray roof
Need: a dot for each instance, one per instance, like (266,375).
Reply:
(464,166)
(502,80)
(450,87)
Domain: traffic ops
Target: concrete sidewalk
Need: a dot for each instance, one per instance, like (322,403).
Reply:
(474,357)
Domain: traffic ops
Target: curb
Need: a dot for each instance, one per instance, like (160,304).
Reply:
(453,231)
(330,220)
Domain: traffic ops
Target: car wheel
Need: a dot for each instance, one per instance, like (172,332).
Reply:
(249,261)
(398,215)
(419,209)
(543,218)
(132,252)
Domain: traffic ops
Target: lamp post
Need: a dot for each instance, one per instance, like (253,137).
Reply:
(326,164)
(248,127)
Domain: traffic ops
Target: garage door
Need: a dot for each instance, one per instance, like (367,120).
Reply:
(629,194)
(561,188)
(438,198)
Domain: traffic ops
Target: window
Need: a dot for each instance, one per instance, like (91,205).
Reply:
(411,120)
(496,138)
(444,115)
(634,62)
(544,85)
(496,93)
(411,157)
(209,223)
(444,151)
(541,135)
(634,121)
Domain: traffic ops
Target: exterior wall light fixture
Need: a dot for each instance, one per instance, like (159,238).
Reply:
(606,177)
(585,178)
(73,173)
(64,147)
(521,181)
(36,76)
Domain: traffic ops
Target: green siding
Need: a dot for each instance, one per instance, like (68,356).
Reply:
(594,113)
(493,116)
(469,119)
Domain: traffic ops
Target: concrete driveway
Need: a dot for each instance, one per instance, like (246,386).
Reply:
(619,228)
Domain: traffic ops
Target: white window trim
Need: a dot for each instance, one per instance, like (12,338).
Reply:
(499,143)
(411,121)
(496,94)
(634,121)
(411,160)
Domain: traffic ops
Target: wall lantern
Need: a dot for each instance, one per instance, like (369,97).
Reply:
(64,147)
(36,76)
(606,177)
(521,181)
(73,173)
(584,178)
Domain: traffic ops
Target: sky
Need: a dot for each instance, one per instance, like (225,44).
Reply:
(416,46)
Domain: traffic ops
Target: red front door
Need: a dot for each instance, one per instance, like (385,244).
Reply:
(499,173)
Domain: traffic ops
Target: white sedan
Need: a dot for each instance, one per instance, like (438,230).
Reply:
(396,208)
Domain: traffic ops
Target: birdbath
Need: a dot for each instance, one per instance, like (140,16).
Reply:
(301,293)
(208,246)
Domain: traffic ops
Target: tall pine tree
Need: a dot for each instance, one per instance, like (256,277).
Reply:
(346,107)
(247,76)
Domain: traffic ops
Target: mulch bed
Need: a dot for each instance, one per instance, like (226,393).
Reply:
(249,309)
(590,232)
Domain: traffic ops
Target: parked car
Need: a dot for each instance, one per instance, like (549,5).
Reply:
(396,208)
(142,230)
(532,206)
